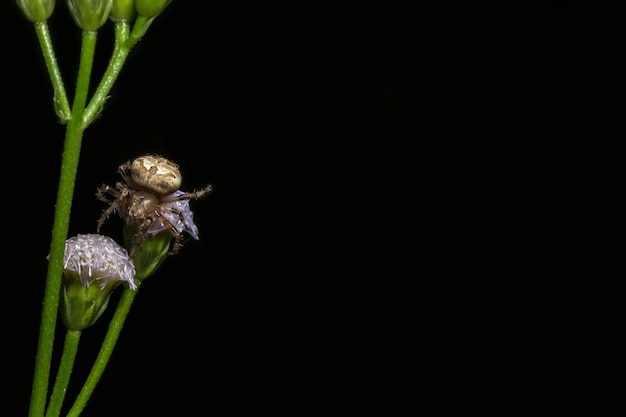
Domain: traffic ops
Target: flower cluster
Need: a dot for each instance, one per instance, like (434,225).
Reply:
(90,15)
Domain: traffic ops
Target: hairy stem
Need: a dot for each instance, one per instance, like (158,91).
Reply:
(61,105)
(124,42)
(118,57)
(70,347)
(115,327)
(67,179)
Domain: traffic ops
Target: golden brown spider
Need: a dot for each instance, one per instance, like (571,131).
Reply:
(149,199)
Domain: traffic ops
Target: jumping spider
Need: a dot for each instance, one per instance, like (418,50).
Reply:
(148,197)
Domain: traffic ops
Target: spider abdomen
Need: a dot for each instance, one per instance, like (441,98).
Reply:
(156,174)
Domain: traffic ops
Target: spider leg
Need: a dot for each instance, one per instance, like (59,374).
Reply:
(139,238)
(124,170)
(118,194)
(119,191)
(142,232)
(175,211)
(102,192)
(105,214)
(172,228)
(187,196)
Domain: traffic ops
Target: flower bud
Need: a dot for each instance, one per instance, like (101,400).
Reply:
(123,10)
(90,15)
(151,252)
(151,8)
(93,265)
(36,10)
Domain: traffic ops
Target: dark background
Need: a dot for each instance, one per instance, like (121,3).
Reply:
(348,146)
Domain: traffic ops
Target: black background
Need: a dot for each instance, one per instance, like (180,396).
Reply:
(349,149)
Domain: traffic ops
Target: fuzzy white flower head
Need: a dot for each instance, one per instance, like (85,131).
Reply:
(182,223)
(98,258)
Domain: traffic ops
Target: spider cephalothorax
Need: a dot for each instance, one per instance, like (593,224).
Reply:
(150,200)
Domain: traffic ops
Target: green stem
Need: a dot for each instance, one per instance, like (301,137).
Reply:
(69,167)
(70,347)
(118,57)
(115,327)
(61,105)
(124,42)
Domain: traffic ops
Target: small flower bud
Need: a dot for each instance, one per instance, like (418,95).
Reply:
(151,8)
(150,254)
(93,266)
(90,15)
(36,10)
(123,10)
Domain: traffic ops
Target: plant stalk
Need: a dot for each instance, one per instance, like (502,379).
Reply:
(67,179)
(113,333)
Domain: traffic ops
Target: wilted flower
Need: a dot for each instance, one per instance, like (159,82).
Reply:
(182,223)
(93,266)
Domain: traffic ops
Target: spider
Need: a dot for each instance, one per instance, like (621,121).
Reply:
(149,199)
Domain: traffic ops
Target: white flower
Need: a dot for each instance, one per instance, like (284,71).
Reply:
(98,258)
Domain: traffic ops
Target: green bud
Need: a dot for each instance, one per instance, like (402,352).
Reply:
(151,252)
(81,306)
(123,10)
(151,8)
(36,10)
(90,15)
